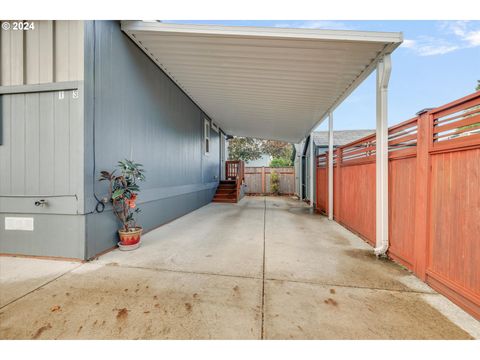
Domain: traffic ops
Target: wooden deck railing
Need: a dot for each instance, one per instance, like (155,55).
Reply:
(235,170)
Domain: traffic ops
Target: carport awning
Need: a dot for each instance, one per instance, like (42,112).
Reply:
(263,82)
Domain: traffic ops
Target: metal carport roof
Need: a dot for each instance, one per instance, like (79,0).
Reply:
(263,82)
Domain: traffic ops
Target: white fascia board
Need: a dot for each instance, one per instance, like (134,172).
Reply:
(268,32)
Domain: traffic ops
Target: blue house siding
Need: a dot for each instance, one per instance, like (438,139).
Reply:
(133,110)
(57,137)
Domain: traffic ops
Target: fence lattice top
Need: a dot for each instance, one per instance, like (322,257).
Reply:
(453,125)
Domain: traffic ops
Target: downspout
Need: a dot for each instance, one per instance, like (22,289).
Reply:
(303,178)
(384,68)
(330,165)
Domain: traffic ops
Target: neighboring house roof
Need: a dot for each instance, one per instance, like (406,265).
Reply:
(340,137)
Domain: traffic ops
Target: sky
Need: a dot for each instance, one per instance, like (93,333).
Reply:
(438,62)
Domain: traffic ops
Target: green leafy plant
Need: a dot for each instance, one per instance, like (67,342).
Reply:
(280,162)
(123,191)
(249,149)
(244,148)
(277,149)
(274,183)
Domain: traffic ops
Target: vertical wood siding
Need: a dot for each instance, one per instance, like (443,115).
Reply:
(434,197)
(42,145)
(138,112)
(141,114)
(52,52)
(42,150)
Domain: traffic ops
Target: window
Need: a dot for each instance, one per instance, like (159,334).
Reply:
(206,136)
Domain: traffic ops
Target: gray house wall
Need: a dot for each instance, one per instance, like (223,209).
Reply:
(41,146)
(139,113)
(76,97)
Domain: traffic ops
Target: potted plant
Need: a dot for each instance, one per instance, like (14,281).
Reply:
(123,192)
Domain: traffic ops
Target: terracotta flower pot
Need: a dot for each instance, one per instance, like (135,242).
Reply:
(130,237)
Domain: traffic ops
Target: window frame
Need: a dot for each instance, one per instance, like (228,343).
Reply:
(207,128)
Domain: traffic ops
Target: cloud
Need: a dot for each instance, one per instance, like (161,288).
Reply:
(428,46)
(473,38)
(409,44)
(315,24)
(454,35)
(429,50)
(468,34)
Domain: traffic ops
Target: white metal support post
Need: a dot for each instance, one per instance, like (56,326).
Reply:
(384,68)
(312,168)
(330,165)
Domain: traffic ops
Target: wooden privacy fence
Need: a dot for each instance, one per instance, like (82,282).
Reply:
(434,196)
(257,180)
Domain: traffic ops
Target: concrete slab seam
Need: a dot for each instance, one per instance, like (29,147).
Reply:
(42,285)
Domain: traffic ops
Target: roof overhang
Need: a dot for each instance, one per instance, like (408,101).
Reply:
(264,82)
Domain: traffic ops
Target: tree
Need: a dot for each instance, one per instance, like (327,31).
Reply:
(243,148)
(478,85)
(249,149)
(280,151)
(277,149)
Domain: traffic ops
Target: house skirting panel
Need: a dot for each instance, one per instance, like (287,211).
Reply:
(101,228)
(55,235)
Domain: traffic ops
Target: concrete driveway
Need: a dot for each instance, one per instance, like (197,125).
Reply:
(265,268)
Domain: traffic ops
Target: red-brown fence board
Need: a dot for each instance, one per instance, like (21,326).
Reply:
(357,196)
(322,184)
(401,203)
(322,195)
(434,196)
(454,241)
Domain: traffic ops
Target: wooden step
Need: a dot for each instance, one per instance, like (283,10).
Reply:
(232,188)
(226,191)
(228,184)
(224,200)
(225,196)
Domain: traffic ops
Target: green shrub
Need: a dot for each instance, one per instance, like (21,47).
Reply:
(274,183)
(280,162)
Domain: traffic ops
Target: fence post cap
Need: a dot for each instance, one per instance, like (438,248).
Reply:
(424,111)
